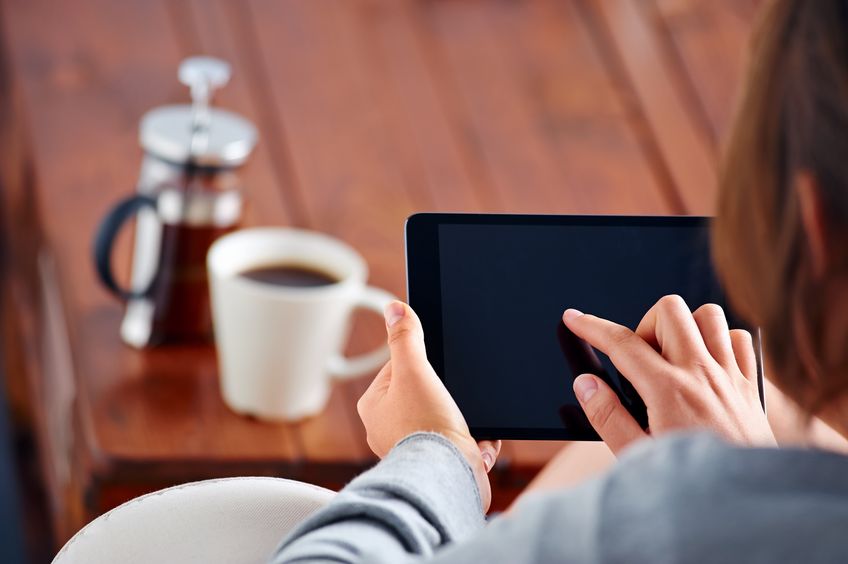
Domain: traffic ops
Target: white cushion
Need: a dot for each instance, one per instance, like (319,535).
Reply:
(226,520)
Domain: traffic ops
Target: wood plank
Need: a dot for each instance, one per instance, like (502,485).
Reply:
(496,118)
(538,111)
(635,55)
(433,159)
(578,109)
(711,41)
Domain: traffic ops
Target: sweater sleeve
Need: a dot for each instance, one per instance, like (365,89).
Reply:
(676,499)
(421,497)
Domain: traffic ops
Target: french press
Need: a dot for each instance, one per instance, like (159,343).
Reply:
(188,194)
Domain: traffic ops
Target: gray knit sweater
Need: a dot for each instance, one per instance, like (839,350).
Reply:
(684,498)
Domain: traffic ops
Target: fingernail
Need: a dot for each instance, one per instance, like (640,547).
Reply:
(394,312)
(585,387)
(488,459)
(571,313)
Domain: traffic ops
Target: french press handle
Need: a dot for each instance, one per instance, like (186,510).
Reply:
(105,240)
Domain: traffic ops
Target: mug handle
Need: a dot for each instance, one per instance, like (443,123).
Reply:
(344,368)
(105,238)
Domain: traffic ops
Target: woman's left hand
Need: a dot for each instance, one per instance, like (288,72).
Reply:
(407,396)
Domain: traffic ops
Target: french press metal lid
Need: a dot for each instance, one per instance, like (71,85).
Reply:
(197,133)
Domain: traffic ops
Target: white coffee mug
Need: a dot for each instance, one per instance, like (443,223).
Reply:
(279,347)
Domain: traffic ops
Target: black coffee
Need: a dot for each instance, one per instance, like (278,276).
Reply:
(294,275)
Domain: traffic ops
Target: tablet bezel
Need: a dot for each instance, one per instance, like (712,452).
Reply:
(423,275)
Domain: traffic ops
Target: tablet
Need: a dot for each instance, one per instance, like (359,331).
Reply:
(491,289)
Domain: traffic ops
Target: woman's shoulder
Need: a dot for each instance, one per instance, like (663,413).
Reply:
(694,492)
(693,460)
(686,498)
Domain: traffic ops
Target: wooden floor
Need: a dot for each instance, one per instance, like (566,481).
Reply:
(368,111)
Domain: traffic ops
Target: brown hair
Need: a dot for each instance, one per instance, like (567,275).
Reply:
(793,118)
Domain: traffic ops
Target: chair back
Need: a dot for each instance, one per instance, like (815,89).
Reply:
(213,521)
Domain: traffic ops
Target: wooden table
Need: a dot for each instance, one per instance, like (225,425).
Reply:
(368,110)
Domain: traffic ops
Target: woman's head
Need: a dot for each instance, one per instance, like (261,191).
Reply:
(783,199)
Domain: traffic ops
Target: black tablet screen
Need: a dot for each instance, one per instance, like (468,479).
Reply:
(503,291)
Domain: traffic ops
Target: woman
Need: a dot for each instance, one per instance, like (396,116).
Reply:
(726,495)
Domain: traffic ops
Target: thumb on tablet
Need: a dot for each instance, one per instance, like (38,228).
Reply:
(606,414)
(406,336)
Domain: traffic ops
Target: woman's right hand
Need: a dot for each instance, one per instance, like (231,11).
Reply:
(689,368)
(408,397)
